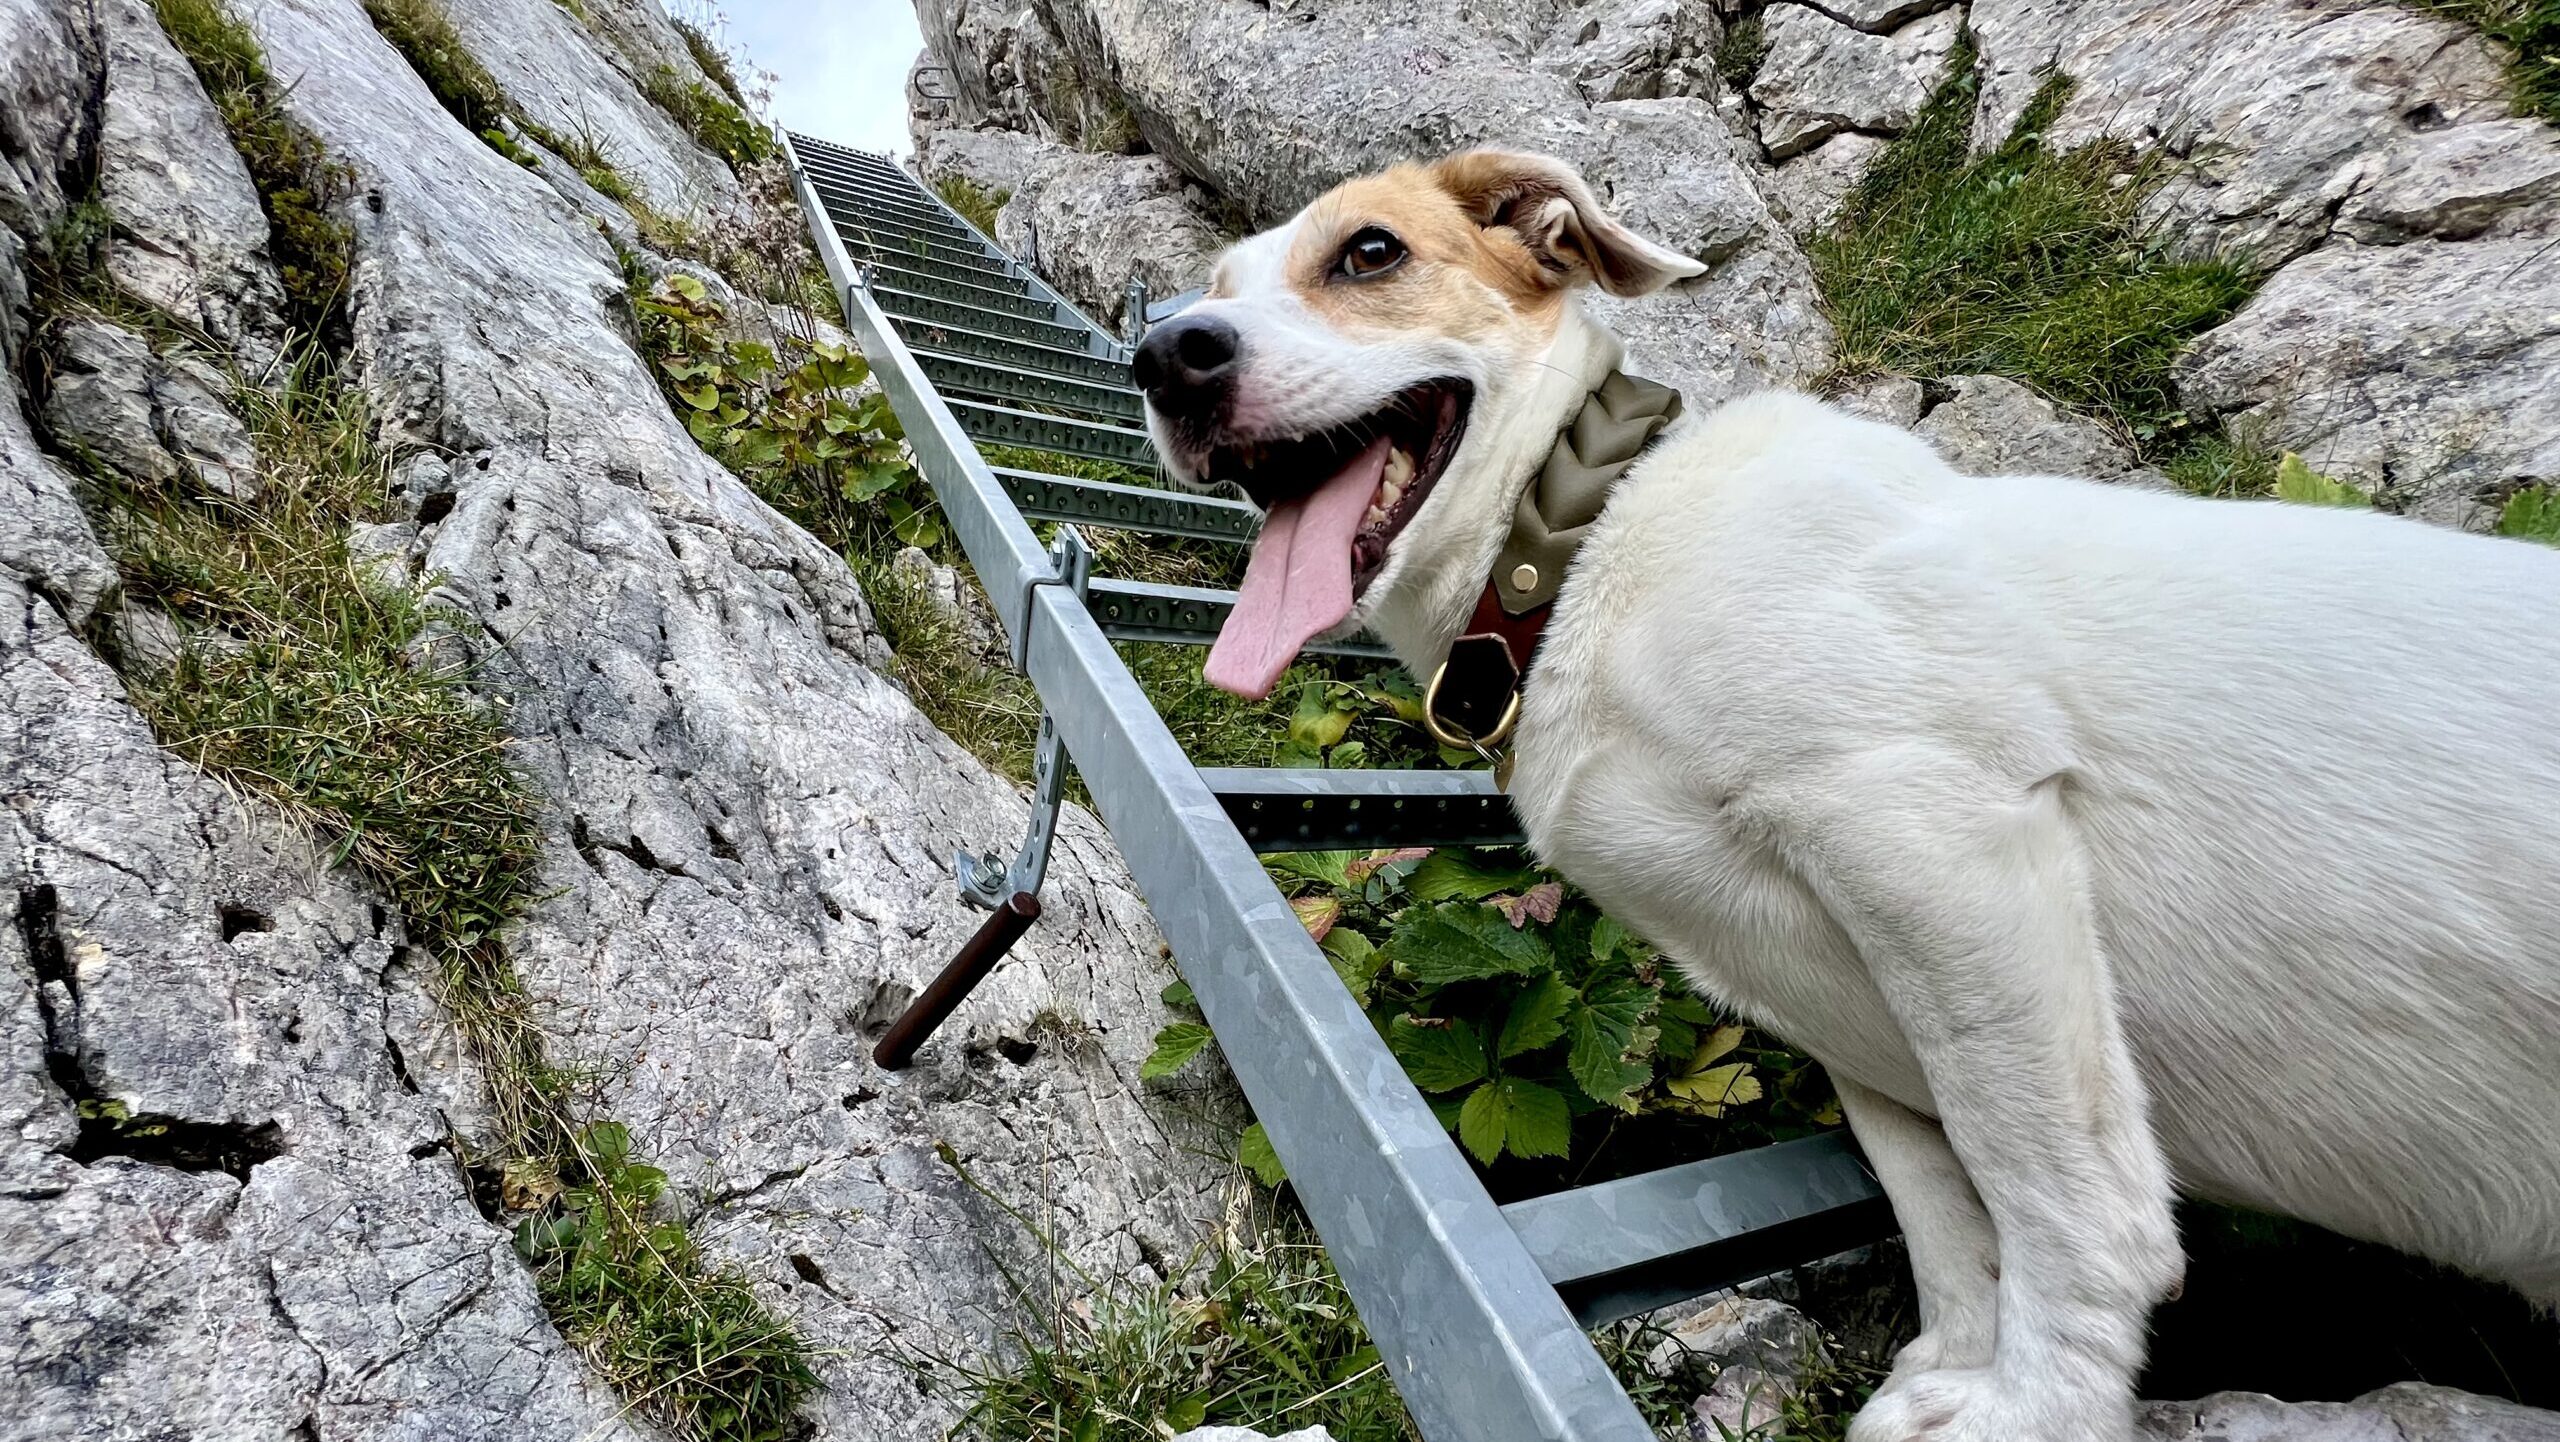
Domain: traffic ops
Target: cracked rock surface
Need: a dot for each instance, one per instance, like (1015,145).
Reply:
(257,1224)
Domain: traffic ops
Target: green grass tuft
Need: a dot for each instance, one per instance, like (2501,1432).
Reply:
(2026,262)
(423,33)
(715,122)
(1739,53)
(976,203)
(2222,463)
(714,61)
(2530,29)
(2532,514)
(297,182)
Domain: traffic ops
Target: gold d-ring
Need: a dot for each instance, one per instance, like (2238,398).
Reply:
(1446,737)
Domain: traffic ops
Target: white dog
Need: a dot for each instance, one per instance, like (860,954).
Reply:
(2101,843)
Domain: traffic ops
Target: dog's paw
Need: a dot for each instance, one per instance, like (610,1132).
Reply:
(1941,1349)
(1979,1405)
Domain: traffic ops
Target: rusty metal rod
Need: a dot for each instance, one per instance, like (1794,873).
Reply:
(978,956)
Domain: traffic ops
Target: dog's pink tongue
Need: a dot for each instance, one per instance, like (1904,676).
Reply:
(1298,584)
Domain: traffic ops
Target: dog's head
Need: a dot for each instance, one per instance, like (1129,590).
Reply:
(1380,375)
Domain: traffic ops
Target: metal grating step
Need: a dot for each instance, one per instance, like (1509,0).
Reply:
(1312,810)
(878,248)
(1010,350)
(965,375)
(1623,1248)
(1092,440)
(1018,300)
(1128,508)
(1185,616)
(907,305)
(895,212)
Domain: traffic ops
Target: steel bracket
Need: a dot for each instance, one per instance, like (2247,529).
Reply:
(986,880)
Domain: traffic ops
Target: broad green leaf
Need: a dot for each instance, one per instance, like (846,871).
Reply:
(1253,1151)
(1325,866)
(2297,482)
(608,1143)
(1711,1089)
(1089,1428)
(1461,941)
(686,286)
(1439,1058)
(1355,960)
(1606,937)
(1179,994)
(1610,1040)
(1714,1045)
(701,398)
(1317,913)
(1449,875)
(1176,1045)
(1521,1116)
(1186,1414)
(1317,721)
(1537,1016)
(2532,514)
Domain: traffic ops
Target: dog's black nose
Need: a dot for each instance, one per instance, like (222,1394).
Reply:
(1187,365)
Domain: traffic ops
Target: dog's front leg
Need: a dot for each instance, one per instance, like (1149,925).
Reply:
(1967,900)
(1955,1255)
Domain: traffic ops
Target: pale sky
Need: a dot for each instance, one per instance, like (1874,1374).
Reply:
(842,65)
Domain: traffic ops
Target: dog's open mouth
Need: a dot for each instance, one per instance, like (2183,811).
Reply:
(1334,502)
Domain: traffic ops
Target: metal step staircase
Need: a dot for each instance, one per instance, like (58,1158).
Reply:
(1478,1310)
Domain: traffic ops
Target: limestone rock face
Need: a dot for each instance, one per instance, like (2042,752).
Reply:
(1821,77)
(1636,49)
(191,238)
(2410,1412)
(1991,426)
(1089,222)
(228,1093)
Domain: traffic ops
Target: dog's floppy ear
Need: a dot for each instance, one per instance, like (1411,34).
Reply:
(1556,216)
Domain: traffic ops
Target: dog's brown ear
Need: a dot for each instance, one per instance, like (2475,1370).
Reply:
(1544,202)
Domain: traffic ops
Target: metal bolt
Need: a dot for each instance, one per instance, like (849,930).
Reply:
(1524,577)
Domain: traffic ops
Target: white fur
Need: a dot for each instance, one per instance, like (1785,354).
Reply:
(2097,841)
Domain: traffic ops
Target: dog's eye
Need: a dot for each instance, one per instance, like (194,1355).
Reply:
(1372,251)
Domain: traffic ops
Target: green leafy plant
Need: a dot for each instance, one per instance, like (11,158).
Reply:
(1739,53)
(1532,1021)
(423,33)
(793,424)
(715,122)
(715,62)
(2298,483)
(2025,262)
(2532,514)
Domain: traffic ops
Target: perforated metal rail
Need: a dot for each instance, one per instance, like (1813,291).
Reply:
(1478,1310)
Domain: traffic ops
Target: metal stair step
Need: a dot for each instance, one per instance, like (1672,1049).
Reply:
(1186,616)
(883,242)
(1623,1248)
(907,305)
(980,289)
(1002,425)
(1304,809)
(1010,350)
(1017,301)
(880,207)
(1045,497)
(886,250)
(991,380)
(886,176)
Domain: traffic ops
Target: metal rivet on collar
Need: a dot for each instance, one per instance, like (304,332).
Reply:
(1524,577)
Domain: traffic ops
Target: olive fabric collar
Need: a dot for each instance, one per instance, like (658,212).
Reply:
(1474,698)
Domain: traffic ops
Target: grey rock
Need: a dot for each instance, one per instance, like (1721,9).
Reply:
(749,828)
(45,541)
(190,237)
(147,638)
(995,160)
(555,73)
(157,418)
(2491,177)
(2409,1412)
(51,66)
(2284,111)
(1636,49)
(1821,77)
(1806,192)
(1882,17)
(1088,222)
(1895,400)
(167,949)
(2423,371)
(386,551)
(1735,1331)
(1993,426)
(1247,1434)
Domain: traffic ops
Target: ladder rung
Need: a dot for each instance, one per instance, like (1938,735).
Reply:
(896,212)
(1306,809)
(907,305)
(1128,508)
(1093,440)
(1623,1248)
(983,290)
(931,245)
(1183,616)
(1012,350)
(969,376)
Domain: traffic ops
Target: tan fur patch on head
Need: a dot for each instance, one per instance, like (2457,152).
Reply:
(1458,278)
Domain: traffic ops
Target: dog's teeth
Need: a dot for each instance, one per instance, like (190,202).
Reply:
(1376,517)
(1390,493)
(1399,466)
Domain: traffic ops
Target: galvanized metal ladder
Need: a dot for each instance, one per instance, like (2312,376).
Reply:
(1479,1310)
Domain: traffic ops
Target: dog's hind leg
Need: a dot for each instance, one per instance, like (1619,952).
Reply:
(1955,1255)
(1966,897)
